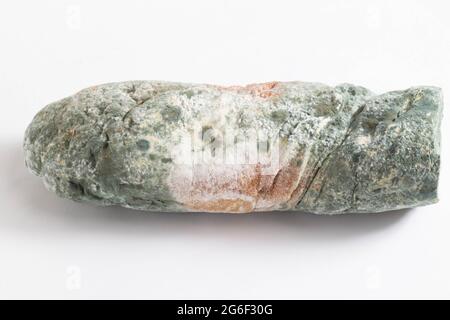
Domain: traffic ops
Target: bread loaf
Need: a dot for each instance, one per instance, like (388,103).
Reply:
(163,146)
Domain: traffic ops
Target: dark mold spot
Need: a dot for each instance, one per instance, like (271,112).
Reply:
(171,113)
(279,115)
(206,130)
(263,146)
(76,187)
(356,157)
(92,158)
(143,144)
(106,143)
(189,93)
(392,149)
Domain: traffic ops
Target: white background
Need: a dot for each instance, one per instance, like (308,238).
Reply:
(54,248)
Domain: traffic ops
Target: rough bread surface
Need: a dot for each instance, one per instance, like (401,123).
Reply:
(162,146)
